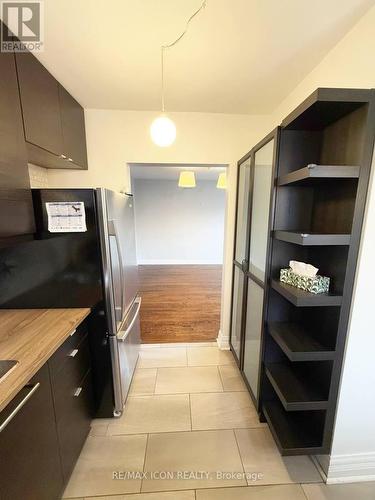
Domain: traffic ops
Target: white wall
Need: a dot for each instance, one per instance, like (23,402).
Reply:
(115,138)
(178,226)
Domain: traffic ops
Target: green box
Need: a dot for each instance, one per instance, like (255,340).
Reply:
(317,284)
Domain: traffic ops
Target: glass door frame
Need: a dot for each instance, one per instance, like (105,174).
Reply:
(265,285)
(244,266)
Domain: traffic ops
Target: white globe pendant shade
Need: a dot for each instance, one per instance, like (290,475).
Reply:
(163,131)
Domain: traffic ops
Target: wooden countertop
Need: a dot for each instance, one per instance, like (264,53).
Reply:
(31,336)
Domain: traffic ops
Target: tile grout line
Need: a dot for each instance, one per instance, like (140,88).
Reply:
(191,414)
(139,433)
(221,380)
(239,452)
(303,491)
(156,377)
(144,462)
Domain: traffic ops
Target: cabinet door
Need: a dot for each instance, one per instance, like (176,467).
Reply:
(259,236)
(237,312)
(40,104)
(240,256)
(30,462)
(73,397)
(73,129)
(242,213)
(74,427)
(16,210)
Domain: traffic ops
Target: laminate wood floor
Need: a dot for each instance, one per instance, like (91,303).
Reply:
(180,303)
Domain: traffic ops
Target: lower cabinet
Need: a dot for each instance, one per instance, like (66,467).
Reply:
(43,429)
(70,370)
(30,459)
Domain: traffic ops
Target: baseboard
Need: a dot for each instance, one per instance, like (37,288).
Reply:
(351,468)
(223,341)
(147,262)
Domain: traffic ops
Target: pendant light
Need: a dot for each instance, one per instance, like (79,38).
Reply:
(222,181)
(163,130)
(187,179)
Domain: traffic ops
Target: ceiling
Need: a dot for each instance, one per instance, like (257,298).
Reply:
(239,56)
(171,172)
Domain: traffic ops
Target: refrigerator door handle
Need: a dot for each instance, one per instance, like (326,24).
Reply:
(112,231)
(124,334)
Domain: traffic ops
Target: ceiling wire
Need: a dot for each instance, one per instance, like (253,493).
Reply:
(172,44)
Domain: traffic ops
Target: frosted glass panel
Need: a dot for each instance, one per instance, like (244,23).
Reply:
(253,332)
(260,210)
(237,310)
(242,210)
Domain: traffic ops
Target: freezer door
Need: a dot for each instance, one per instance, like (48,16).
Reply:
(128,340)
(119,252)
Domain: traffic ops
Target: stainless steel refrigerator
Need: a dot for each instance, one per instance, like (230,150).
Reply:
(120,278)
(90,266)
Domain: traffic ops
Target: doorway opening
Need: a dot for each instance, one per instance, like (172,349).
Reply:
(180,248)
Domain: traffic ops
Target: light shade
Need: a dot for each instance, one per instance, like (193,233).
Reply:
(163,131)
(186,179)
(222,181)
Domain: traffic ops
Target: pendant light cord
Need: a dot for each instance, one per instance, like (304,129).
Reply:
(172,44)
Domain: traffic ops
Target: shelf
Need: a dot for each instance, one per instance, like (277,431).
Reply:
(300,298)
(313,173)
(294,433)
(312,239)
(298,344)
(295,389)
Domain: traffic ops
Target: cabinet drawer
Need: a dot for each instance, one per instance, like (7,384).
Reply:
(66,381)
(30,462)
(74,426)
(65,351)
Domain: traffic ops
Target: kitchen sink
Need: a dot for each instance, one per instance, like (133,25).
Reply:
(6,366)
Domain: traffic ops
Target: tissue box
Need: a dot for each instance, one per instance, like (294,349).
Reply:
(317,284)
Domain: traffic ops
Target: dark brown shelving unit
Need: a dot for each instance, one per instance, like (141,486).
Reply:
(298,344)
(296,390)
(301,298)
(314,173)
(312,239)
(323,168)
(295,433)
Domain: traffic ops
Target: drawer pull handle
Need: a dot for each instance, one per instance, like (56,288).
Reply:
(77,392)
(73,332)
(32,388)
(73,353)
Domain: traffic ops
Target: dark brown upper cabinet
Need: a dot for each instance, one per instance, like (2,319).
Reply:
(40,104)
(73,129)
(53,121)
(16,210)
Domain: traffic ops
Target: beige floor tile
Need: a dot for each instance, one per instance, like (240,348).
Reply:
(143,381)
(193,453)
(189,344)
(187,380)
(205,356)
(165,495)
(145,414)
(223,410)
(359,491)
(279,492)
(160,357)
(99,430)
(99,459)
(260,455)
(231,378)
